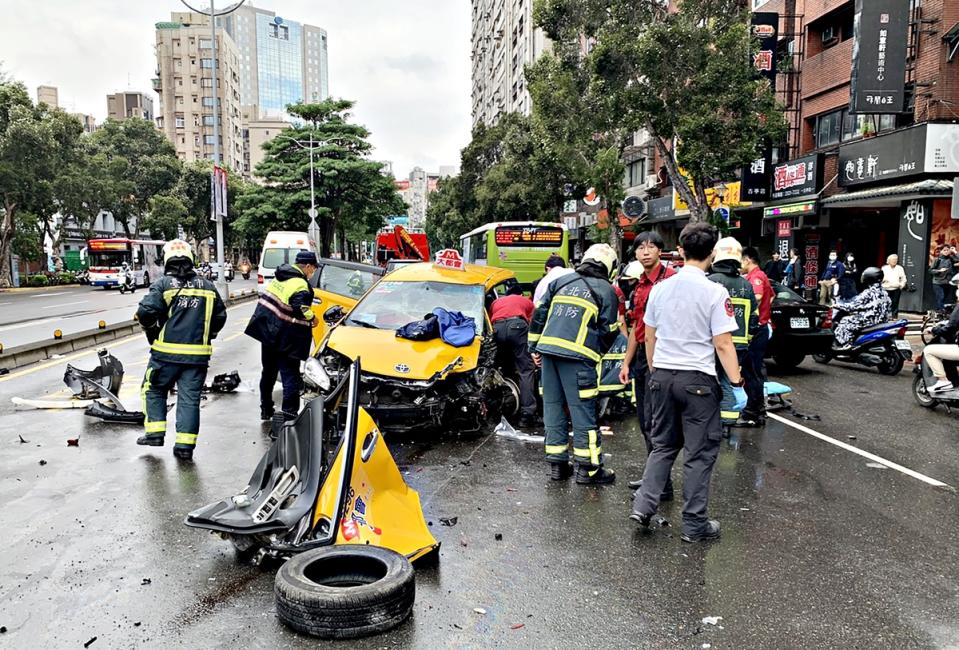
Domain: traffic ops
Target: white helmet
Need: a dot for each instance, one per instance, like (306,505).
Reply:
(604,254)
(176,248)
(633,271)
(728,248)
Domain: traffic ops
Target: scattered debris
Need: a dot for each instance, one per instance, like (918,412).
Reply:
(88,384)
(706,646)
(463,542)
(517,626)
(851,437)
(744,509)
(712,620)
(89,643)
(449,521)
(43,462)
(4,371)
(73,442)
(480,610)
(146,581)
(876,466)
(137,624)
(506,430)
(498,537)
(3,629)
(223,383)
(22,441)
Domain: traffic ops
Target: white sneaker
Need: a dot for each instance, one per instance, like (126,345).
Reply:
(941,386)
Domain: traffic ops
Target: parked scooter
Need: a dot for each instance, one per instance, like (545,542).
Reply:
(882,346)
(129,282)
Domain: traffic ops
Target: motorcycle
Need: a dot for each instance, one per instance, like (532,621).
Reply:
(245,270)
(205,271)
(883,346)
(924,378)
(129,281)
(228,272)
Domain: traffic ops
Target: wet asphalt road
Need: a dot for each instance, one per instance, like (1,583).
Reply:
(819,550)
(30,316)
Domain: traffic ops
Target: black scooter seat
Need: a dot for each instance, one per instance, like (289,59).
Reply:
(877,328)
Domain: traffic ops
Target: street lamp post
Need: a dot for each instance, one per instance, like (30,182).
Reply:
(221,283)
(314,229)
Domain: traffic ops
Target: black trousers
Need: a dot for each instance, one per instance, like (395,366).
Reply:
(685,415)
(755,375)
(288,368)
(512,352)
(640,390)
(894,296)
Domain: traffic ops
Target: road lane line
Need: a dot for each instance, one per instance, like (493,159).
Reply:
(50,295)
(82,353)
(66,304)
(864,454)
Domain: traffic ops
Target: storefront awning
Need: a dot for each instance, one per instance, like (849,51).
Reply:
(890,196)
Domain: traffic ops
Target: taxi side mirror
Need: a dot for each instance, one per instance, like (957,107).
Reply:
(333,314)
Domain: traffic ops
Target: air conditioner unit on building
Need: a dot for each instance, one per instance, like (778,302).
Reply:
(652,181)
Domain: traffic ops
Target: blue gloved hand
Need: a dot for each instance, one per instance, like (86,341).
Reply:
(741,399)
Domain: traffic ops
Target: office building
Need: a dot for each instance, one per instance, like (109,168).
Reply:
(48,95)
(184,83)
(257,131)
(415,191)
(123,105)
(282,61)
(504,41)
(88,122)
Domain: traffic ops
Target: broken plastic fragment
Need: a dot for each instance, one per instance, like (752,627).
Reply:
(449,521)
(712,620)
(876,465)
(73,442)
(479,610)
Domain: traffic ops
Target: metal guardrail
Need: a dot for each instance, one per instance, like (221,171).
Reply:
(23,355)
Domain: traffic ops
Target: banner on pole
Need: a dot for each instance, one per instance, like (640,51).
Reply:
(219,191)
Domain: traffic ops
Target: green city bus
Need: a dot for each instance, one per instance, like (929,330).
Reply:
(520,246)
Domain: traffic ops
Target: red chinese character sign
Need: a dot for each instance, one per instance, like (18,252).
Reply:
(756,175)
(450,259)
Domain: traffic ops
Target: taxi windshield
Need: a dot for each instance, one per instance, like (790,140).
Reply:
(390,305)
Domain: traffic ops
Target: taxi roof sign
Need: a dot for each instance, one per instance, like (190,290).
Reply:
(449,258)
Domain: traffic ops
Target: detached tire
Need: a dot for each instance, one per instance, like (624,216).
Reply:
(345,592)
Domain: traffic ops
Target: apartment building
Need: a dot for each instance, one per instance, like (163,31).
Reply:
(504,40)
(184,83)
(48,95)
(127,104)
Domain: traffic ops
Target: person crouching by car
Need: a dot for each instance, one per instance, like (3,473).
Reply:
(572,329)
(510,316)
(282,323)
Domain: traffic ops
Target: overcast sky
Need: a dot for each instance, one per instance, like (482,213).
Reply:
(405,64)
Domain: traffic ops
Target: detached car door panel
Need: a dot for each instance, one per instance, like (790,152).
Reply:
(338,283)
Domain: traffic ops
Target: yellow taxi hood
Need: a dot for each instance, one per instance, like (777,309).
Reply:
(380,352)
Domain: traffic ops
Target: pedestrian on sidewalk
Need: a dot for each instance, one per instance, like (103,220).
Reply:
(831,276)
(282,322)
(941,270)
(775,268)
(510,316)
(649,247)
(893,281)
(793,273)
(572,329)
(726,270)
(689,320)
(181,315)
(755,412)
(847,283)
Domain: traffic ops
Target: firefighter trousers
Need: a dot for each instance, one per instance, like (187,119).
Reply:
(571,383)
(158,381)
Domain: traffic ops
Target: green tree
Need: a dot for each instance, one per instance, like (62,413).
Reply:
(683,76)
(36,147)
(351,192)
(138,163)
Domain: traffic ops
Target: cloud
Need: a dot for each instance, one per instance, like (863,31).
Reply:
(406,65)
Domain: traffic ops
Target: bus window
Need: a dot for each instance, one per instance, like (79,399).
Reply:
(480,247)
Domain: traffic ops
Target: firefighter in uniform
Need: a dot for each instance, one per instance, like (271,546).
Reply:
(726,269)
(573,327)
(181,315)
(282,323)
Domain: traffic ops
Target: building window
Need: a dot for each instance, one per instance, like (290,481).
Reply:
(208,101)
(635,173)
(206,44)
(842,126)
(179,121)
(208,139)
(206,82)
(206,63)
(207,120)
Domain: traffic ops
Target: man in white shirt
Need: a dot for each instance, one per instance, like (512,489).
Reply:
(893,281)
(555,268)
(689,322)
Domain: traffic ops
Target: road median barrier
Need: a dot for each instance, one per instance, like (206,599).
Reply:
(23,355)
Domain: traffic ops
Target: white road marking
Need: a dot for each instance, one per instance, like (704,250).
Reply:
(50,295)
(65,304)
(864,454)
(29,323)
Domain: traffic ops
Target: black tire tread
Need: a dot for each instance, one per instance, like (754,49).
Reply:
(346,612)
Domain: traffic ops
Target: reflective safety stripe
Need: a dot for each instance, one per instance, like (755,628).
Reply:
(186,439)
(595,447)
(588,393)
(569,345)
(582,453)
(578,302)
(533,337)
(182,348)
(276,309)
(553,450)
(614,326)
(747,308)
(541,390)
(143,399)
(611,388)
(729,415)
(155,427)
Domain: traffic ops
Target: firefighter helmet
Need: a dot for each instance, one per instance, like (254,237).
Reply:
(177,249)
(728,248)
(602,253)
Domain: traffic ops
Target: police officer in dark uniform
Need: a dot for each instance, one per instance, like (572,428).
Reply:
(689,321)
(573,327)
(282,322)
(181,315)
